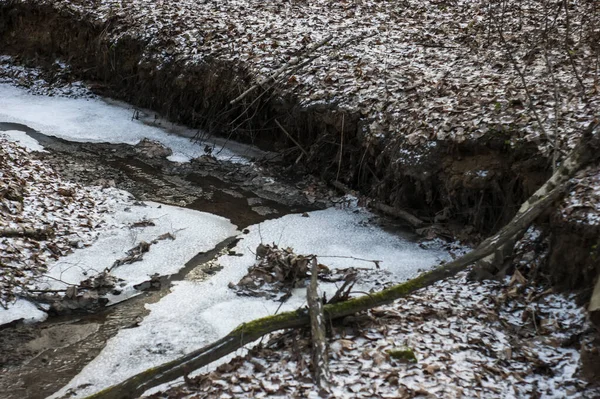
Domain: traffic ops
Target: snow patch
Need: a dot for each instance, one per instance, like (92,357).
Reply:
(194,232)
(23,140)
(195,314)
(94,120)
(21,309)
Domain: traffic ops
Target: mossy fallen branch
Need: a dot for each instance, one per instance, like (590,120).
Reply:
(250,332)
(403,354)
(587,151)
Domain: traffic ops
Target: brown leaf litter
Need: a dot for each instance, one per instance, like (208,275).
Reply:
(465,337)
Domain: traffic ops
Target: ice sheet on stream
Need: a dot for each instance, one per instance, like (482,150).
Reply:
(194,232)
(116,233)
(94,120)
(197,313)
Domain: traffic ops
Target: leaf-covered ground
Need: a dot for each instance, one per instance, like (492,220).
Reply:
(34,196)
(414,70)
(468,339)
(417,73)
(582,205)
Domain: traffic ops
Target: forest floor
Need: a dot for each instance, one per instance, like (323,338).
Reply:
(455,339)
(457,112)
(458,338)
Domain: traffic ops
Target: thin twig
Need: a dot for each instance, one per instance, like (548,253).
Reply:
(376,262)
(337,177)
(569,51)
(292,138)
(281,70)
(556,96)
(295,67)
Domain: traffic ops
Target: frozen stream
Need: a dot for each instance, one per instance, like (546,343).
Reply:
(192,312)
(96,120)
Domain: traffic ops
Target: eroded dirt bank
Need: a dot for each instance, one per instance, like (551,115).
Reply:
(468,185)
(477,182)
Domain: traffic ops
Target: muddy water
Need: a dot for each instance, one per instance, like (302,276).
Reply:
(37,360)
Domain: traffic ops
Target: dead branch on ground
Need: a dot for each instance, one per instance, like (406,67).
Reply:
(408,217)
(27,232)
(317,331)
(136,253)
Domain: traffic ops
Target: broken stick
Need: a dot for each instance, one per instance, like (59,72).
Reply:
(28,232)
(317,330)
(408,217)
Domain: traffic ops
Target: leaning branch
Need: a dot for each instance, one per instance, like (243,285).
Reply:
(587,151)
(250,332)
(292,138)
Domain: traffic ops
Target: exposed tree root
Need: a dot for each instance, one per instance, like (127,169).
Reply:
(594,307)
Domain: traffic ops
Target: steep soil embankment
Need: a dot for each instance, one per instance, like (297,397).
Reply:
(418,104)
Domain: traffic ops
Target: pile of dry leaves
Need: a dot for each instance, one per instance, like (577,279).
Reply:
(279,270)
(275,274)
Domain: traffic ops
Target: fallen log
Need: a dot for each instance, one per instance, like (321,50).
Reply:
(585,152)
(398,213)
(28,232)
(250,332)
(320,362)
(408,217)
